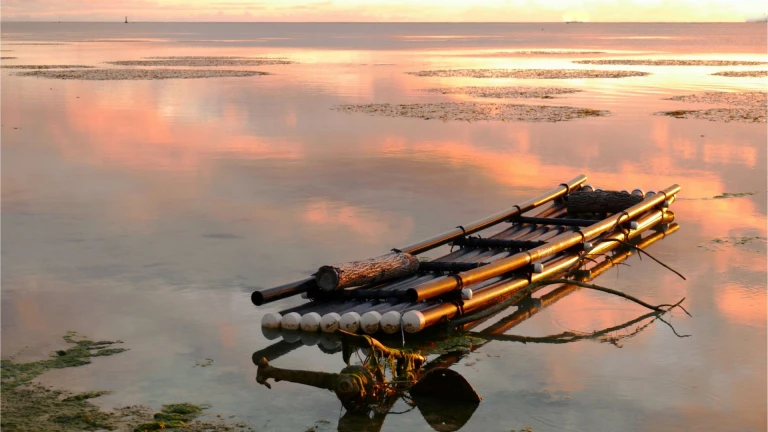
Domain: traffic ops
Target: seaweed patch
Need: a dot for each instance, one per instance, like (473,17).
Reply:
(751,99)
(726,115)
(28,406)
(461,111)
(506,92)
(44,67)
(139,74)
(529,73)
(202,62)
(743,74)
(670,62)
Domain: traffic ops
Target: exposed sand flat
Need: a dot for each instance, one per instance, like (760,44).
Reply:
(749,99)
(658,62)
(505,92)
(139,74)
(212,58)
(122,40)
(38,43)
(45,67)
(726,115)
(744,74)
(467,111)
(201,62)
(528,73)
(533,52)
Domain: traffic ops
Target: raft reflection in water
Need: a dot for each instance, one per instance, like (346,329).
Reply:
(445,399)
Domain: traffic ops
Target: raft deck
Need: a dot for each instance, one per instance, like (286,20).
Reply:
(496,258)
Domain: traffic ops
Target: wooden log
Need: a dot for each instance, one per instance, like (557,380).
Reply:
(601,202)
(374,270)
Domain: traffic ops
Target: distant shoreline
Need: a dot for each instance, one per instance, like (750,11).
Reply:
(386,23)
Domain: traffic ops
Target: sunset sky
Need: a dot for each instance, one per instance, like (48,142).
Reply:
(384,10)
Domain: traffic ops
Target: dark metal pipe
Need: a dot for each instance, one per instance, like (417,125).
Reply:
(269,295)
(477,242)
(556,221)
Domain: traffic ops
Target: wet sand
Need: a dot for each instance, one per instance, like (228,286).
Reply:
(659,62)
(743,74)
(138,74)
(506,92)
(528,73)
(472,112)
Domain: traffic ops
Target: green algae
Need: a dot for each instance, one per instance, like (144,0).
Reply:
(31,407)
(86,395)
(171,417)
(15,374)
(28,406)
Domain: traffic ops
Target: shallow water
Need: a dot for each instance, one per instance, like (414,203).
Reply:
(148,211)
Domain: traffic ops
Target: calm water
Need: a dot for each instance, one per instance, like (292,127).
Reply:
(147,211)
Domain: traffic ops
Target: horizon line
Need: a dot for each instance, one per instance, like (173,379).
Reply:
(389,22)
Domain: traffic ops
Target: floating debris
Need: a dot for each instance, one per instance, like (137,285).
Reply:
(202,62)
(659,62)
(727,115)
(139,74)
(750,99)
(505,92)
(467,111)
(725,195)
(45,66)
(204,363)
(719,244)
(744,74)
(528,73)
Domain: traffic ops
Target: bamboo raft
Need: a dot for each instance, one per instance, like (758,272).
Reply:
(540,239)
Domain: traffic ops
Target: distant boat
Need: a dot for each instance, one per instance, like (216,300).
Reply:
(126,20)
(574,22)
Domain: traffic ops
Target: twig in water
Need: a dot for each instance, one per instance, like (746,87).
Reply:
(646,253)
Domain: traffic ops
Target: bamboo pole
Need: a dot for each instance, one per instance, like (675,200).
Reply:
(557,244)
(555,295)
(448,236)
(269,295)
(414,321)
